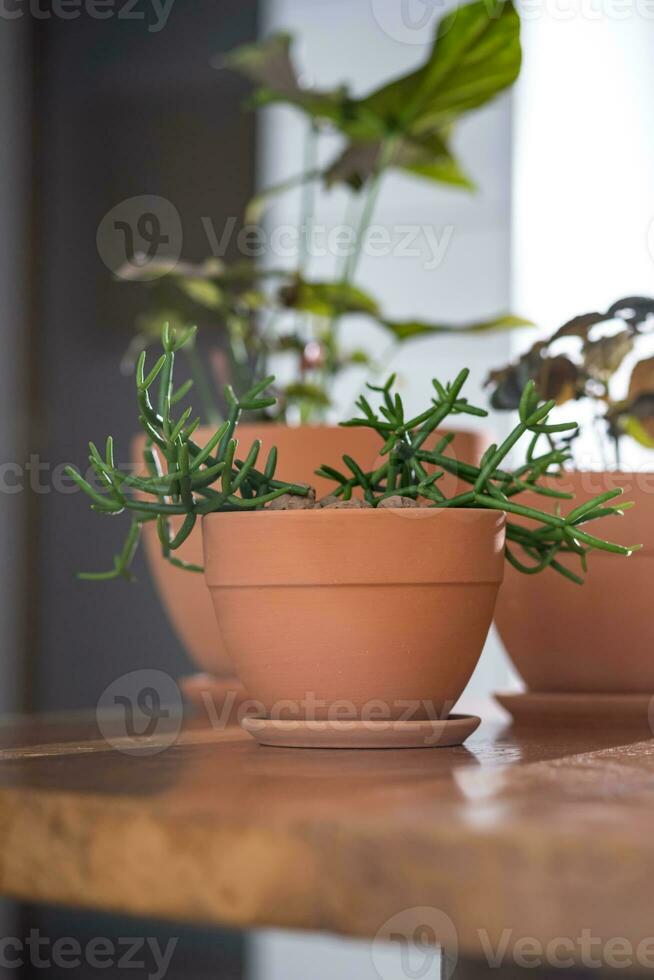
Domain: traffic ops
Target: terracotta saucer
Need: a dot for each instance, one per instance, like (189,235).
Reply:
(362,734)
(597,710)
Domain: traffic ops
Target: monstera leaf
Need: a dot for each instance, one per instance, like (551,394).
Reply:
(475,56)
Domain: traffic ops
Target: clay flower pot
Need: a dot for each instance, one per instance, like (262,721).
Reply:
(301,451)
(354,614)
(596,638)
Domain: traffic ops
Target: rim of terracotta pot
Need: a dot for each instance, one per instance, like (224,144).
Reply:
(350,547)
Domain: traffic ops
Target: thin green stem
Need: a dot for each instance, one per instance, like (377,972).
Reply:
(202,386)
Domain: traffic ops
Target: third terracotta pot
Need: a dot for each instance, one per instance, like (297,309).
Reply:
(597,638)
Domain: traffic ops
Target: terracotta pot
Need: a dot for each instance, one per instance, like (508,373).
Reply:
(301,451)
(356,606)
(596,638)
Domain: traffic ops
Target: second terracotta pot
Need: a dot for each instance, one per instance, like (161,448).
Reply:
(595,638)
(301,451)
(355,606)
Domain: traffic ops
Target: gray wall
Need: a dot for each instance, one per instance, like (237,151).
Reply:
(14,325)
(123,112)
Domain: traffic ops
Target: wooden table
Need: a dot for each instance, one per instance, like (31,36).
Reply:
(535,834)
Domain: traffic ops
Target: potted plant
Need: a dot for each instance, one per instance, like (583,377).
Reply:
(374,601)
(252,313)
(566,643)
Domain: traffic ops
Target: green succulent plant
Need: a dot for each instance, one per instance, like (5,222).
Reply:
(187,481)
(183,479)
(251,313)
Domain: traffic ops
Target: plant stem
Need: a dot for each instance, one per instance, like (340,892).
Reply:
(308,202)
(202,386)
(383,160)
(352,262)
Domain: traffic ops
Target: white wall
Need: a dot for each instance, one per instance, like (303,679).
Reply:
(583,232)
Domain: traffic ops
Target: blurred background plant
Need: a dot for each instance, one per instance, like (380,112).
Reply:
(253,312)
(582,361)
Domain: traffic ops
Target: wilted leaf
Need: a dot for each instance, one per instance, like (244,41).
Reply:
(327,298)
(641,431)
(269,66)
(555,378)
(408,329)
(579,326)
(603,357)
(642,380)
(633,309)
(635,415)
(508,383)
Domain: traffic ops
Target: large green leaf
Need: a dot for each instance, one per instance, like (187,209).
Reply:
(475,56)
(408,329)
